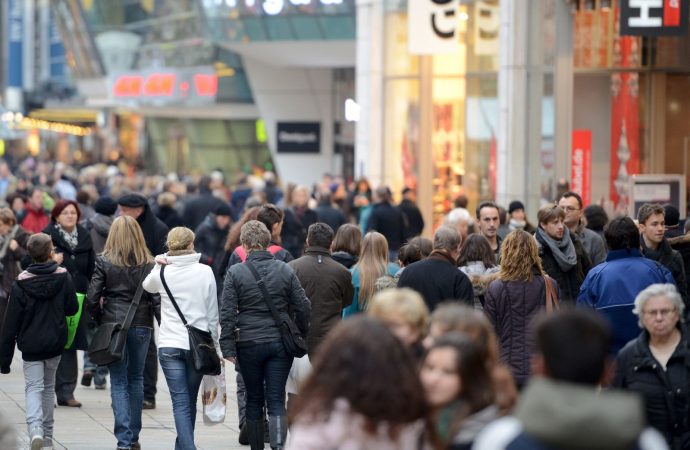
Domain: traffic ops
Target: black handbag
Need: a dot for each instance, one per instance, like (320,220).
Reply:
(109,340)
(292,338)
(206,359)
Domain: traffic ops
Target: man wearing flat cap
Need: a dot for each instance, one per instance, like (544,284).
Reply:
(155,233)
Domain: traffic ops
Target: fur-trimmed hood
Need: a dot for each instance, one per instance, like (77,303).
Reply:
(679,240)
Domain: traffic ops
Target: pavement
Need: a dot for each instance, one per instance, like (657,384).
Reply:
(91,426)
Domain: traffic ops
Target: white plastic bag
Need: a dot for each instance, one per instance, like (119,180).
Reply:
(213,397)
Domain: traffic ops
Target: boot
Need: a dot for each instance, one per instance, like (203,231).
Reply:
(255,433)
(277,429)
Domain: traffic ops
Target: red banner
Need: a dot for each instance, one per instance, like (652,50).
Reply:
(581,165)
(672,13)
(625,125)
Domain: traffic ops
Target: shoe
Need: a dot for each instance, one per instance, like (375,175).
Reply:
(86,378)
(243,439)
(47,443)
(100,387)
(73,403)
(149,404)
(36,440)
(255,434)
(277,429)
(136,446)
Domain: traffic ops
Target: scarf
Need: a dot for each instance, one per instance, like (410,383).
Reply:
(71,238)
(517,224)
(563,251)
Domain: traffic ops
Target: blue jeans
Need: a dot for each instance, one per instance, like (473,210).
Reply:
(183,382)
(265,368)
(127,386)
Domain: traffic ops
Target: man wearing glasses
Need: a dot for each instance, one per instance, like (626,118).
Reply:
(571,203)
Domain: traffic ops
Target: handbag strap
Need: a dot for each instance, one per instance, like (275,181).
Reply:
(264,291)
(170,296)
(135,301)
(551,295)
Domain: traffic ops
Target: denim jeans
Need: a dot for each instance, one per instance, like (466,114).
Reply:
(265,368)
(183,382)
(127,386)
(39,379)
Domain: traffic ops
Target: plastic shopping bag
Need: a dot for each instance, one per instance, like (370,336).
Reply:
(73,321)
(214,397)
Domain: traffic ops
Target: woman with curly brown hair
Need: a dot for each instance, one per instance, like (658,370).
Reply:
(515,299)
(353,400)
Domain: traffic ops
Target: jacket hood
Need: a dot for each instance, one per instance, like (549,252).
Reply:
(183,260)
(102,224)
(679,240)
(43,281)
(574,417)
(345,259)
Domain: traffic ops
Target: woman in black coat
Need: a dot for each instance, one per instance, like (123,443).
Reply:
(73,251)
(656,365)
(562,255)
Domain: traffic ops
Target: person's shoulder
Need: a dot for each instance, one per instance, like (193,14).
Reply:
(499,434)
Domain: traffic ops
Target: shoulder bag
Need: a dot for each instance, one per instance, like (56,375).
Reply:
(293,341)
(204,355)
(551,295)
(109,340)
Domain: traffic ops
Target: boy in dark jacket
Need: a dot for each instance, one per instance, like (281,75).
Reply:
(40,300)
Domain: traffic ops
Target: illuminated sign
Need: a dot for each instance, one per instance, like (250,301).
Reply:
(169,86)
(271,7)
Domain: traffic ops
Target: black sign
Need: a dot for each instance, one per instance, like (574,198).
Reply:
(299,137)
(654,17)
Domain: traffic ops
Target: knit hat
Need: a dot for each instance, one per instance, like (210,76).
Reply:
(515,205)
(223,210)
(132,200)
(106,206)
(671,216)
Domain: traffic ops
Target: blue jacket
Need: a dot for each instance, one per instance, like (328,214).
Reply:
(611,288)
(354,307)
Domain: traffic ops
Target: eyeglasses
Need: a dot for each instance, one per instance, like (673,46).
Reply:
(664,312)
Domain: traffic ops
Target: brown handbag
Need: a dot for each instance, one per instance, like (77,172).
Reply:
(551,295)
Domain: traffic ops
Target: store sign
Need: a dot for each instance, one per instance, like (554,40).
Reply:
(581,164)
(487,24)
(15,37)
(433,26)
(654,17)
(299,137)
(169,86)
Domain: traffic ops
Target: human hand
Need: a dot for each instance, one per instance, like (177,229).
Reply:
(232,359)
(59,258)
(160,260)
(13,245)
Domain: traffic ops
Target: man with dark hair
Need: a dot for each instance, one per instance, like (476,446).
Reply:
(328,284)
(437,277)
(210,239)
(488,218)
(678,237)
(326,213)
(414,222)
(197,207)
(571,361)
(611,287)
(571,203)
(387,220)
(651,220)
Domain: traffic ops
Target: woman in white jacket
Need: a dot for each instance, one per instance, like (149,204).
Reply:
(193,287)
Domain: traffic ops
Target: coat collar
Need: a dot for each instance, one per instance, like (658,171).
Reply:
(625,253)
(314,250)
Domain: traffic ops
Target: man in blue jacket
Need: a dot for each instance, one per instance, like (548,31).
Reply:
(611,287)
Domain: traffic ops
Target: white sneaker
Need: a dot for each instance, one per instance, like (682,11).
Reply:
(36,442)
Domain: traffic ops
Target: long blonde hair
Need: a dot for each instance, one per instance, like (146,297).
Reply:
(126,246)
(372,265)
(519,255)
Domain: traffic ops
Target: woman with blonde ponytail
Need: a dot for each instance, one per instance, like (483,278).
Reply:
(193,287)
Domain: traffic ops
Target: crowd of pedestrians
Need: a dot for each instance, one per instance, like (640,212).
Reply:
(346,327)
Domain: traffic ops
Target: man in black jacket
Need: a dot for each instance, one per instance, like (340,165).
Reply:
(210,241)
(438,278)
(155,233)
(651,220)
(326,213)
(41,299)
(387,220)
(414,222)
(199,206)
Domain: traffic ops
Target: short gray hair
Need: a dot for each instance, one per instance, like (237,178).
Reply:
(458,215)
(254,236)
(447,238)
(658,290)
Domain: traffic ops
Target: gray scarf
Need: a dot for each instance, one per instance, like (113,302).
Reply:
(563,251)
(71,238)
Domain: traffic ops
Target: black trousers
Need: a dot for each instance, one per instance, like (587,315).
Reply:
(151,371)
(66,376)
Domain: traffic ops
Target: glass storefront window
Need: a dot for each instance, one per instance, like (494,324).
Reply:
(401,139)
(398,62)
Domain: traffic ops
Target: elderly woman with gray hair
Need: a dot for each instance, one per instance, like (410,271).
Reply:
(250,336)
(656,364)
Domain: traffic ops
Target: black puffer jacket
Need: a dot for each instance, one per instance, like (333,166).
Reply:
(512,307)
(209,242)
(41,299)
(242,305)
(569,281)
(666,393)
(117,285)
